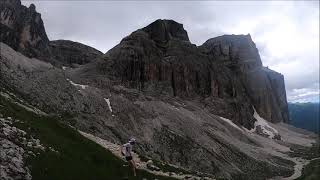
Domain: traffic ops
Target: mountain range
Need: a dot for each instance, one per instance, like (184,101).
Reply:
(305,116)
(212,111)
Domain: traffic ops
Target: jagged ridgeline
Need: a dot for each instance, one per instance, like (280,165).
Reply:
(211,110)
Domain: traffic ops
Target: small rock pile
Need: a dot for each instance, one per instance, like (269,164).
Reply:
(14,149)
(11,155)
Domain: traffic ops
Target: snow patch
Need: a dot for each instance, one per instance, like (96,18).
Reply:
(263,124)
(108,102)
(77,85)
(231,123)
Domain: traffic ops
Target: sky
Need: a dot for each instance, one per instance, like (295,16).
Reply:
(286,33)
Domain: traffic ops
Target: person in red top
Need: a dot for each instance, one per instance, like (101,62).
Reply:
(126,150)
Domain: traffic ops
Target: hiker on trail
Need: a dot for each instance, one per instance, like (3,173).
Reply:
(126,150)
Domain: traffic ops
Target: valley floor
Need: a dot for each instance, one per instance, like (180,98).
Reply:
(300,162)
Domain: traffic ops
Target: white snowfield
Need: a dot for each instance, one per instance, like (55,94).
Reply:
(77,85)
(289,135)
(261,123)
(264,125)
(231,123)
(109,104)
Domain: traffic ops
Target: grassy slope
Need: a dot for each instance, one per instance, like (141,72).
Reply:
(78,157)
(311,171)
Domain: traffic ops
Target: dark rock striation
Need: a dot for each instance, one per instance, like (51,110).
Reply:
(225,72)
(69,52)
(264,87)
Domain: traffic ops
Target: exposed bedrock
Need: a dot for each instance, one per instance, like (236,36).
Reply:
(226,72)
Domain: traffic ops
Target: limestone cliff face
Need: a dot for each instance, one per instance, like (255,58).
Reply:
(264,87)
(235,51)
(22,28)
(226,72)
(154,54)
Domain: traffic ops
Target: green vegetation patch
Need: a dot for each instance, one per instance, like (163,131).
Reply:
(311,171)
(77,158)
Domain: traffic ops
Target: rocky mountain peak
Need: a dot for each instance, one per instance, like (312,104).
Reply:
(22,28)
(234,49)
(227,67)
(165,30)
(32,7)
(69,53)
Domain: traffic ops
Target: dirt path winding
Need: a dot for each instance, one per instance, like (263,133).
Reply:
(115,149)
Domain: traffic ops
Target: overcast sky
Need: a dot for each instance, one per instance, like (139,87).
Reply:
(286,33)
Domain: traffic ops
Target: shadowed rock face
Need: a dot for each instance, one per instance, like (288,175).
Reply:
(234,51)
(264,87)
(161,31)
(23,29)
(69,52)
(225,72)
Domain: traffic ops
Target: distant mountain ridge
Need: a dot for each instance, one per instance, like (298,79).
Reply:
(69,53)
(305,116)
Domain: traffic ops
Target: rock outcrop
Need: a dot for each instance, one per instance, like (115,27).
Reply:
(226,72)
(22,28)
(264,87)
(163,31)
(69,53)
(13,153)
